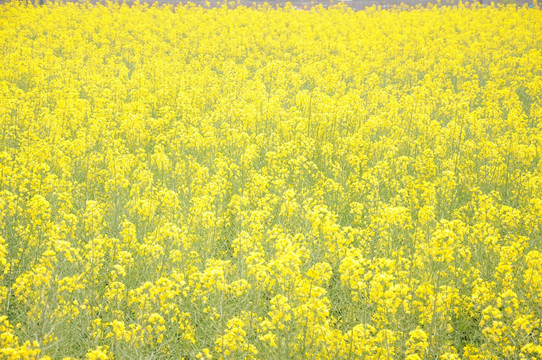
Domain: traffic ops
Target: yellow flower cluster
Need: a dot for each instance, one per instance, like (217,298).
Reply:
(218,183)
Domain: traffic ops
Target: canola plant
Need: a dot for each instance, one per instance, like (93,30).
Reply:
(266,183)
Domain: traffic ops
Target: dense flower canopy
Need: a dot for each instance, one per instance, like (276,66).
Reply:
(187,182)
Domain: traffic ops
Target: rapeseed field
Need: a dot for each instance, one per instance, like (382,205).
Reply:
(260,183)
